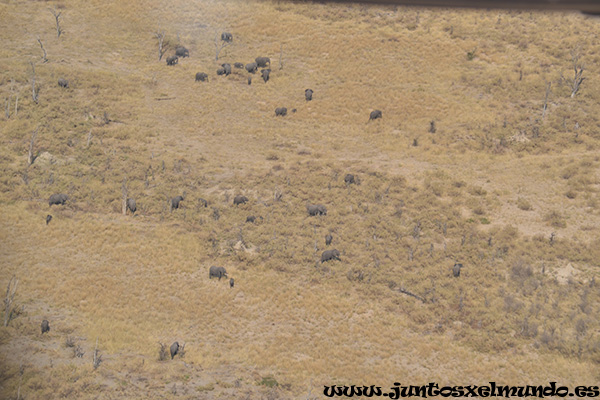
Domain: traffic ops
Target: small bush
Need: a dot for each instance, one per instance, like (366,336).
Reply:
(524,204)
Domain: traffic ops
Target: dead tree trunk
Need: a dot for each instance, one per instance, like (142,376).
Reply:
(574,84)
(162,49)
(44,58)
(124,201)
(11,290)
(31,158)
(219,46)
(281,56)
(546,100)
(34,94)
(57,17)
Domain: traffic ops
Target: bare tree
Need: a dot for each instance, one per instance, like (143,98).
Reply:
(124,200)
(89,138)
(9,308)
(546,99)
(57,17)
(281,56)
(31,158)
(574,83)
(34,93)
(220,45)
(97,357)
(162,48)
(44,58)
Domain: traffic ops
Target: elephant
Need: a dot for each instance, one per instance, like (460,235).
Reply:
(330,255)
(227,68)
(375,114)
(265,74)
(221,71)
(45,326)
(217,272)
(238,65)
(251,218)
(63,83)
(280,112)
(131,205)
(172,60)
(174,349)
(263,62)
(456,270)
(249,80)
(316,209)
(202,77)
(182,52)
(48,219)
(328,239)
(349,179)
(239,199)
(58,199)
(308,93)
(231,282)
(226,37)
(175,202)
(251,67)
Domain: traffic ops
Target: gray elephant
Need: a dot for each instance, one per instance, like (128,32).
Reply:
(456,270)
(227,68)
(308,93)
(202,77)
(349,179)
(280,111)
(48,219)
(45,326)
(375,114)
(239,199)
(316,209)
(221,71)
(251,67)
(172,60)
(174,349)
(182,52)
(265,74)
(249,80)
(330,255)
(238,65)
(226,37)
(131,206)
(231,282)
(58,199)
(217,272)
(175,202)
(328,239)
(263,62)
(63,83)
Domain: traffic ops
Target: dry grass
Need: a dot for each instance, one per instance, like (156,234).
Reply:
(487,189)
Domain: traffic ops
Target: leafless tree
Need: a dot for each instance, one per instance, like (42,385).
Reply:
(281,56)
(34,93)
(44,58)
(31,158)
(97,356)
(57,17)
(574,83)
(124,200)
(89,138)
(162,352)
(546,99)
(9,308)
(162,48)
(220,45)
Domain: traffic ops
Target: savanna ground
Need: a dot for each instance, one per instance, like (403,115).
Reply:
(488,188)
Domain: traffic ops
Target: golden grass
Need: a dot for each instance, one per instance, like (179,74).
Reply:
(486,189)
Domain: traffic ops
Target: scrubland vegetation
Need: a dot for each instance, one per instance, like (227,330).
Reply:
(484,156)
